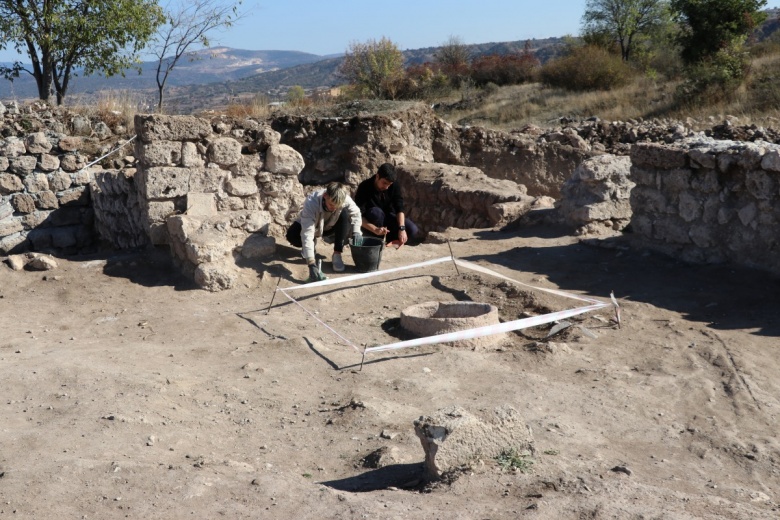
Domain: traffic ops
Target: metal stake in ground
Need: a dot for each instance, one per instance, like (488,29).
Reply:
(273,296)
(453,257)
(616,306)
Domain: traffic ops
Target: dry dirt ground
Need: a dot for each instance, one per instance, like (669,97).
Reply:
(127,393)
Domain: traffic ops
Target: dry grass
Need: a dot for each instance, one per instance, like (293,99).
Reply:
(256,107)
(506,108)
(116,108)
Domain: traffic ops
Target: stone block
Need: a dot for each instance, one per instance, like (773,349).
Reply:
(702,159)
(36,219)
(258,246)
(36,182)
(46,200)
(158,211)
(676,180)
(505,212)
(23,203)
(655,156)
(158,127)
(159,153)
(37,143)
(201,204)
(48,162)
(10,183)
(41,263)
(770,161)
(453,439)
(15,243)
(690,207)
(190,156)
(10,225)
(72,162)
(6,209)
(214,277)
(12,147)
(165,182)
(84,177)
(241,186)
(283,159)
(74,197)
(70,143)
(16,262)
(224,151)
(759,184)
(3,163)
(705,181)
(208,246)
(206,180)
(22,165)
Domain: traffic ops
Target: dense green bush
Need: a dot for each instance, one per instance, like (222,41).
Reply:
(587,68)
(714,80)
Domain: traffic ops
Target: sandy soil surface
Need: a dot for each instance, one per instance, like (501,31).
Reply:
(127,393)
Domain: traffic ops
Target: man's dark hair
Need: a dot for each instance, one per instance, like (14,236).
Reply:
(387,172)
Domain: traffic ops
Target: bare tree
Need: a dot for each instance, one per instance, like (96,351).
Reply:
(453,57)
(188,24)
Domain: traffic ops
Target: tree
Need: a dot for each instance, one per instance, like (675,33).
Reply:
(709,27)
(186,25)
(453,58)
(622,20)
(62,36)
(296,95)
(374,68)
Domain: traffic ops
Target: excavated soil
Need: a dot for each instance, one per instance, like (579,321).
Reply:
(128,393)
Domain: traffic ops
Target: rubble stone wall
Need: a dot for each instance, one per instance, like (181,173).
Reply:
(709,201)
(44,195)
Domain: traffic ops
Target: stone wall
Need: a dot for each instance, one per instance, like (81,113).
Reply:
(44,195)
(350,145)
(214,190)
(709,201)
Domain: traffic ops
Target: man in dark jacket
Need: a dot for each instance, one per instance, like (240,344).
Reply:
(382,207)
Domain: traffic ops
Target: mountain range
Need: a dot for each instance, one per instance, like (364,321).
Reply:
(216,75)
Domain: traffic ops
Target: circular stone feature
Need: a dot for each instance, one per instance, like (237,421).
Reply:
(433,318)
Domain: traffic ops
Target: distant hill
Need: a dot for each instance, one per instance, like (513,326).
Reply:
(206,66)
(214,77)
(275,84)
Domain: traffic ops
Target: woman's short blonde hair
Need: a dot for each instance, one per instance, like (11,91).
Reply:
(337,193)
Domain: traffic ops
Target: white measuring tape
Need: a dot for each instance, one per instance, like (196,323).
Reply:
(524,323)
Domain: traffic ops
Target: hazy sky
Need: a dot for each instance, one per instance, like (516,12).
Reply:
(327,27)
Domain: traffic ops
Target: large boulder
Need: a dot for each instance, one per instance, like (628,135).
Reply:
(438,196)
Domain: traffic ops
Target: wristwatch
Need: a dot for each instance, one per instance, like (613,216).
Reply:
(401,228)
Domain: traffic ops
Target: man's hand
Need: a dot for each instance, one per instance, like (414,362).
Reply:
(357,239)
(380,230)
(403,237)
(315,275)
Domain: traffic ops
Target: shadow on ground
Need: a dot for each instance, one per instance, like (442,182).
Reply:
(722,296)
(147,267)
(404,476)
